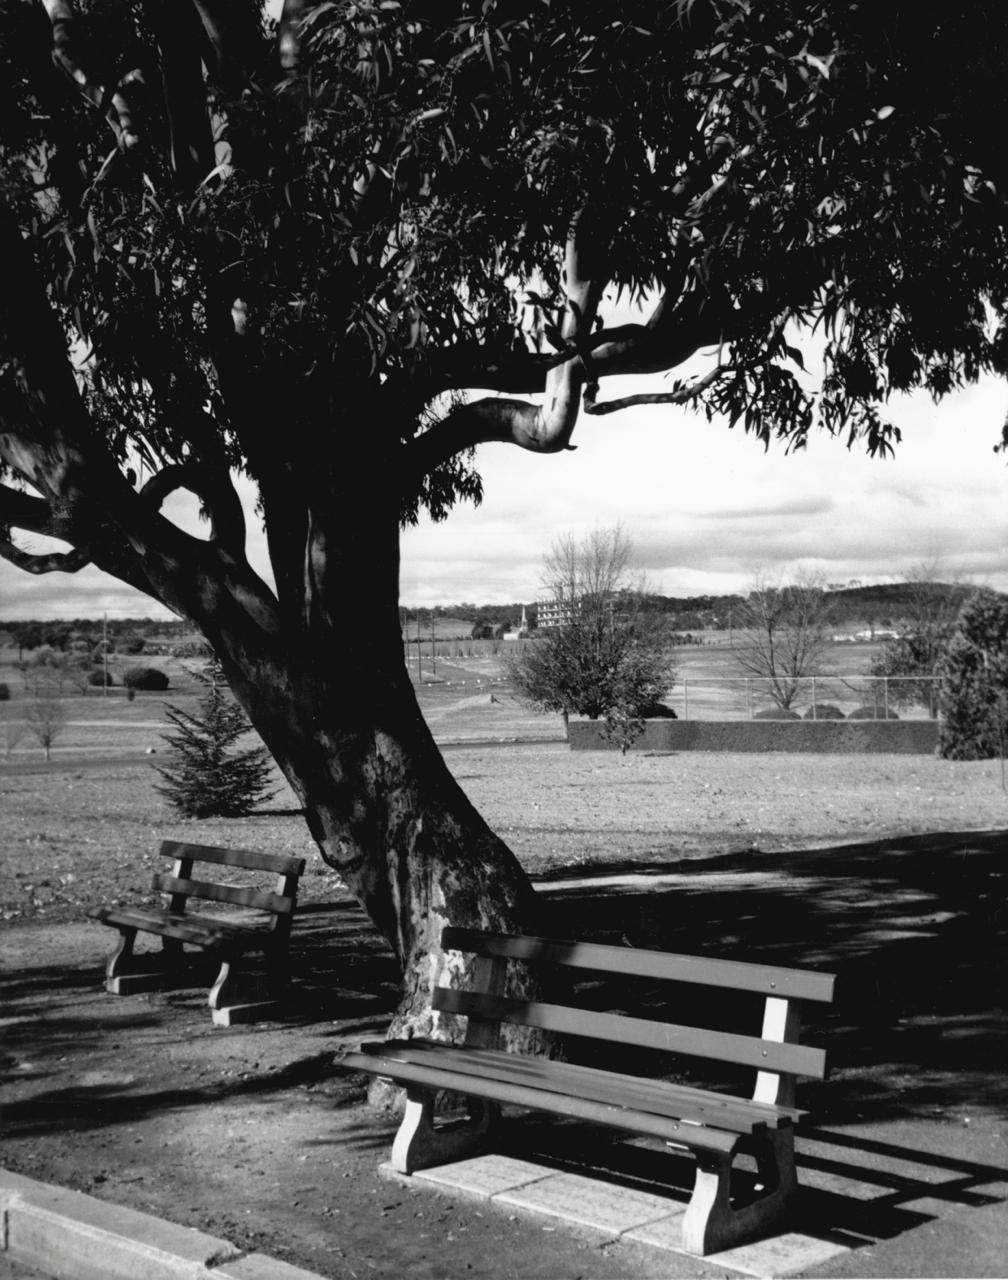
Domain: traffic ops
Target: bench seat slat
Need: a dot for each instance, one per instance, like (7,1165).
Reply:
(542,1099)
(201,930)
(237,895)
(655,1097)
(750,1112)
(796,984)
(281,864)
(767,1055)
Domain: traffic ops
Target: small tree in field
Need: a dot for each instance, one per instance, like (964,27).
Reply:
(609,659)
(45,717)
(974,681)
(207,778)
(783,635)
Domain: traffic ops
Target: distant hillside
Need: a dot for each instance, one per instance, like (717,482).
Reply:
(880,606)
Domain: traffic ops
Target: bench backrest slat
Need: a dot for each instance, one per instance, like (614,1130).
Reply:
(751,1051)
(281,864)
(239,896)
(768,980)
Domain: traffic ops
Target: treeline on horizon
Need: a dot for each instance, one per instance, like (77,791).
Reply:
(878,605)
(881,605)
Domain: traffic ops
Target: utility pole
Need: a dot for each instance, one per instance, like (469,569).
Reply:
(104,650)
(433,650)
(419,656)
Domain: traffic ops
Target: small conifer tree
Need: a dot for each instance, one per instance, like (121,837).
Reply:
(205,776)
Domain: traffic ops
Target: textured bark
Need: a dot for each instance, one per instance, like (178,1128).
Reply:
(332,701)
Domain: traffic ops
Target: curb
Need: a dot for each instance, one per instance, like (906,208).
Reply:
(73,1236)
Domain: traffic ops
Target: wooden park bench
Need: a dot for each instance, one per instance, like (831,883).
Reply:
(262,924)
(715,1127)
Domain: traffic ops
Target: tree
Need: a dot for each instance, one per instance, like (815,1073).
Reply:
(206,777)
(45,718)
(610,657)
(783,635)
(335,255)
(910,660)
(974,681)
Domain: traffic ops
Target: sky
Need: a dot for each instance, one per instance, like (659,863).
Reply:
(707,509)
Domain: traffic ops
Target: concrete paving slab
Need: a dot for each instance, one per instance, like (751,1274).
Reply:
(484,1176)
(575,1198)
(785,1255)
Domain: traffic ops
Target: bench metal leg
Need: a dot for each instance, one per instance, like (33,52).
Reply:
(420,1143)
(712,1223)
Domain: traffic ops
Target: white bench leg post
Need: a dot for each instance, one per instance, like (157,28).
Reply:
(222,994)
(711,1223)
(420,1143)
(117,957)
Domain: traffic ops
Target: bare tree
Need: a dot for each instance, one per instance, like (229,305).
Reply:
(608,657)
(45,718)
(783,636)
(586,574)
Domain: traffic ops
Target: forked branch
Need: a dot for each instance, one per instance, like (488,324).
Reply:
(227,519)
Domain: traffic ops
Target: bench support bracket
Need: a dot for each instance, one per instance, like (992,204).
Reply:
(120,983)
(420,1143)
(711,1222)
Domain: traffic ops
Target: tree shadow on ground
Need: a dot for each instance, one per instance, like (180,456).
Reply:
(916,930)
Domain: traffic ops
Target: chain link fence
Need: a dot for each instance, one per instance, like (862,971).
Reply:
(830,697)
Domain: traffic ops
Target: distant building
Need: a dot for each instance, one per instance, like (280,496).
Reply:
(557,612)
(521,631)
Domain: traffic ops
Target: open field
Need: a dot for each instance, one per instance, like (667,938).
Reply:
(74,834)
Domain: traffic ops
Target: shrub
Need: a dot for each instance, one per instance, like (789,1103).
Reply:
(872,713)
(148,679)
(99,677)
(974,681)
(776,713)
(824,711)
(656,711)
(4,692)
(207,775)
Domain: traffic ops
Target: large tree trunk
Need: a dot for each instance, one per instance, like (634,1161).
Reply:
(335,706)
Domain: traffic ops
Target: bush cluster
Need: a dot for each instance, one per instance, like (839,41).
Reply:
(147,679)
(4,692)
(99,677)
(824,711)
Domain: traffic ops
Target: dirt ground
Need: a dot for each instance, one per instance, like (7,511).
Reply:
(872,868)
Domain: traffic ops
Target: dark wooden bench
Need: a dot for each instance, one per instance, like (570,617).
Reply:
(262,923)
(715,1127)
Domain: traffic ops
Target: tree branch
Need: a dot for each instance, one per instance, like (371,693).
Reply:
(19,510)
(680,395)
(51,562)
(66,54)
